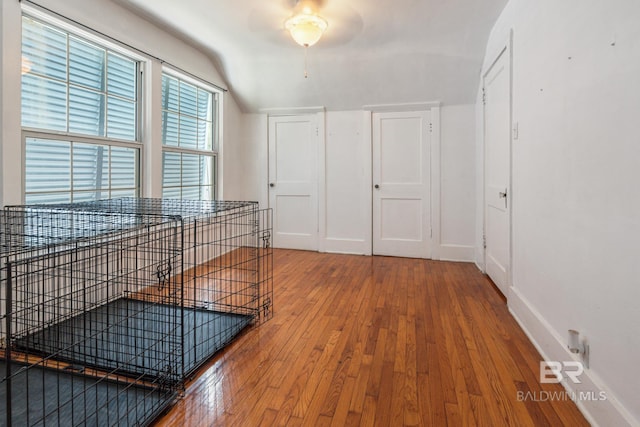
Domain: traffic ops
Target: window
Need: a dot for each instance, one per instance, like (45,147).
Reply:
(79,117)
(189,139)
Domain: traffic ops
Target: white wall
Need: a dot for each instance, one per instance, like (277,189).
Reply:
(576,210)
(232,181)
(255,142)
(113,20)
(457,181)
(347,179)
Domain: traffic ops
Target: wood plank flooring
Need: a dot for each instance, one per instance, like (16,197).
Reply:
(375,341)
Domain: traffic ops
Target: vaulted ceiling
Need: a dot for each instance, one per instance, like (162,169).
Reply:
(373,52)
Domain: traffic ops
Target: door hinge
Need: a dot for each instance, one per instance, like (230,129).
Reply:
(431,127)
(317,131)
(484,97)
(484,241)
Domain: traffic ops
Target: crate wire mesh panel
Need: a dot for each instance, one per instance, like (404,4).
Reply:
(226,266)
(71,318)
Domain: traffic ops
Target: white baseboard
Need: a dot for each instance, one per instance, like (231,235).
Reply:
(479,258)
(460,253)
(345,246)
(552,347)
(456,253)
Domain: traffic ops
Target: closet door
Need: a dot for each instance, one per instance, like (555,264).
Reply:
(497,166)
(401,184)
(293,180)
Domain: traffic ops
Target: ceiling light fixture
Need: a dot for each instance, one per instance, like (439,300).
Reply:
(306,28)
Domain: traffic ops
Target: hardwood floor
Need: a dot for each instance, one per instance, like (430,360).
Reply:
(379,341)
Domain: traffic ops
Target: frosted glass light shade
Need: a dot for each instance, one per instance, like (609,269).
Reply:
(306,29)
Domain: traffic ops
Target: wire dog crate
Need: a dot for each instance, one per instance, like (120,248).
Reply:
(83,345)
(224,274)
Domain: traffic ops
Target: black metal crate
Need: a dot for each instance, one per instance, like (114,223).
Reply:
(226,271)
(82,335)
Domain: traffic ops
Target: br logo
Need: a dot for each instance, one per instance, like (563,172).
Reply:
(554,372)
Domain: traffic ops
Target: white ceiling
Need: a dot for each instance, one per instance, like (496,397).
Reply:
(374,51)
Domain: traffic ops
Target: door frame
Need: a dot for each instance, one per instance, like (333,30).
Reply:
(320,114)
(506,49)
(434,108)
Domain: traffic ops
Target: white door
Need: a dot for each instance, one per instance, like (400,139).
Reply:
(293,181)
(497,142)
(401,184)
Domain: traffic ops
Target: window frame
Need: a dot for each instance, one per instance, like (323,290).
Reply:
(75,139)
(102,42)
(214,152)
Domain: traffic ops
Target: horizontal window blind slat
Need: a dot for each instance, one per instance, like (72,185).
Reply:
(45,48)
(90,169)
(97,97)
(44,103)
(122,76)
(86,65)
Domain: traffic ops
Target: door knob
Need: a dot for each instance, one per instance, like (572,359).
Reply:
(503,195)
(271,184)
(376,186)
